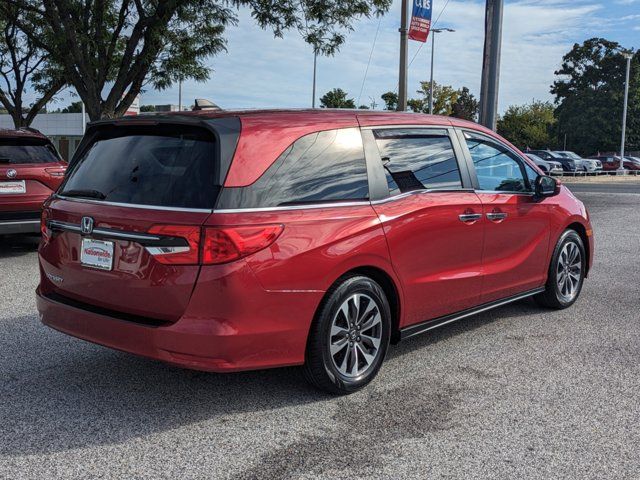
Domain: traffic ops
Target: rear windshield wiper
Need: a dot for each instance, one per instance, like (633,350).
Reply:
(85,193)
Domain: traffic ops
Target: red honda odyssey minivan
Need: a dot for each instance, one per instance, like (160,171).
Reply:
(228,241)
(30,171)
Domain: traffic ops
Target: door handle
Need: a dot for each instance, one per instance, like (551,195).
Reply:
(470,217)
(496,216)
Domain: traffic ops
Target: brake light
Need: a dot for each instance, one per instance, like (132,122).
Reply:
(181,254)
(222,245)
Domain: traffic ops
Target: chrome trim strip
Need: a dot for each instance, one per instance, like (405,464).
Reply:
(104,232)
(132,205)
(342,204)
(166,250)
(20,222)
(292,207)
(417,329)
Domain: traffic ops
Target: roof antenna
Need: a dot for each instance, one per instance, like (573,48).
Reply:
(204,104)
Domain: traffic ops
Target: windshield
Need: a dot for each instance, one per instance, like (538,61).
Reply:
(23,150)
(160,165)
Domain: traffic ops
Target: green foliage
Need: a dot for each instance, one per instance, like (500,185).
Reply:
(23,66)
(529,126)
(336,98)
(446,101)
(147,108)
(111,49)
(466,106)
(390,100)
(589,97)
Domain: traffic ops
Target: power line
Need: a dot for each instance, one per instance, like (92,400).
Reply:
(375,38)
(431,28)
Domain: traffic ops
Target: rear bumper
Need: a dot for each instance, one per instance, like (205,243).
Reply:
(248,340)
(11,227)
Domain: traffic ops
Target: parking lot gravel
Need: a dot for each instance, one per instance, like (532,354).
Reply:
(518,392)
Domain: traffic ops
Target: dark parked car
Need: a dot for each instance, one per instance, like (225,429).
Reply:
(227,241)
(30,171)
(568,164)
(550,167)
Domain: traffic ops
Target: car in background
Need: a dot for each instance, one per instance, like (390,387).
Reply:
(550,167)
(30,171)
(588,165)
(227,241)
(568,164)
(612,162)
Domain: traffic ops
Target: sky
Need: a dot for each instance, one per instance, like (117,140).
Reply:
(259,70)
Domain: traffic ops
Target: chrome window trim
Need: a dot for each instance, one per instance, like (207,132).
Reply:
(132,205)
(345,204)
(19,222)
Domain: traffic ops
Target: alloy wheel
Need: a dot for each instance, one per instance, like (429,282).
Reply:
(355,335)
(569,271)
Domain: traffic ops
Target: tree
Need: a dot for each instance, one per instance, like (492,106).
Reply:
(336,98)
(23,65)
(147,108)
(111,49)
(390,100)
(589,96)
(75,107)
(466,106)
(529,126)
(444,97)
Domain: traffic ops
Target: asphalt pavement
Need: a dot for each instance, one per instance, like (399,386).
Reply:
(518,392)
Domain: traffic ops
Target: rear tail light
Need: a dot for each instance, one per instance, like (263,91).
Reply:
(185,254)
(218,244)
(44,230)
(222,245)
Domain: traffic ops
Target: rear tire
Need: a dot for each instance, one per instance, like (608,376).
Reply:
(566,272)
(349,336)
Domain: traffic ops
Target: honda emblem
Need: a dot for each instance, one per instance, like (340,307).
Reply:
(87,225)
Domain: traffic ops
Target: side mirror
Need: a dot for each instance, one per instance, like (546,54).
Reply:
(546,186)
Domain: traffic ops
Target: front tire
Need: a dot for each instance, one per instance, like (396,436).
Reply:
(566,272)
(349,336)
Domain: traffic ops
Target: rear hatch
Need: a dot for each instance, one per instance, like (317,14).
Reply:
(30,169)
(122,234)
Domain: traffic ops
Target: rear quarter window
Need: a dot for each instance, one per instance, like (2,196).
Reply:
(321,167)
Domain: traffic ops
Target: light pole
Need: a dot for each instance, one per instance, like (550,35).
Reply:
(628,56)
(404,48)
(313,93)
(433,48)
(491,64)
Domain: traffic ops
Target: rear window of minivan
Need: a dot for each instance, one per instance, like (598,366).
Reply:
(27,150)
(155,165)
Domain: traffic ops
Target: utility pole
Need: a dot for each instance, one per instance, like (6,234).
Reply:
(315,64)
(628,56)
(404,48)
(491,63)
(433,49)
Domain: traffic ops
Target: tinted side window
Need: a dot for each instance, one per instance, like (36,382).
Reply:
(497,168)
(321,167)
(417,159)
(531,175)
